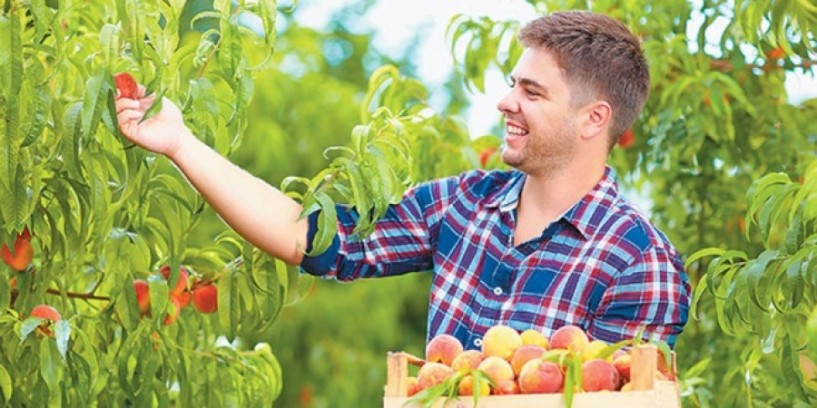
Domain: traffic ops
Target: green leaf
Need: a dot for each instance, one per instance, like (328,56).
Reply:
(226,303)
(62,333)
(327,225)
(28,326)
(51,368)
(5,383)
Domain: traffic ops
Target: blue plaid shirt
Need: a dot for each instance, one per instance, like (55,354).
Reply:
(601,266)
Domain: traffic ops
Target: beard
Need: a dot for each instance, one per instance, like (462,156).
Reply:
(544,154)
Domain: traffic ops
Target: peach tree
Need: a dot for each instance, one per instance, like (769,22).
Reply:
(94,227)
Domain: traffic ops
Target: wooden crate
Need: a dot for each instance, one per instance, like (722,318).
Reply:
(648,392)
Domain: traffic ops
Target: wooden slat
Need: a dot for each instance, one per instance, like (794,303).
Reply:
(644,364)
(396,375)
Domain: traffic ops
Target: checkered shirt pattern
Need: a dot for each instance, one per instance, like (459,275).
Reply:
(602,266)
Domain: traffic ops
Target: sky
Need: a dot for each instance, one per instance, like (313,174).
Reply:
(397,22)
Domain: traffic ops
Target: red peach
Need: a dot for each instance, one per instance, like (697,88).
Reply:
(173,313)
(507,387)
(205,298)
(443,348)
(497,369)
(431,374)
(524,354)
(467,360)
(569,338)
(141,287)
(537,377)
(23,252)
(622,365)
(181,283)
(411,386)
(598,374)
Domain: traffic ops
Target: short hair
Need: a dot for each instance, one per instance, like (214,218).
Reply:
(600,58)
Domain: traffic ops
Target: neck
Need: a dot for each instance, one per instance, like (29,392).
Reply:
(550,195)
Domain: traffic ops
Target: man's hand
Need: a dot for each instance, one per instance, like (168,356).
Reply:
(162,133)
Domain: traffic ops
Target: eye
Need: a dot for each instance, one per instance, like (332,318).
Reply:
(531,93)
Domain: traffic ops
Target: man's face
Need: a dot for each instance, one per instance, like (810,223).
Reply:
(541,136)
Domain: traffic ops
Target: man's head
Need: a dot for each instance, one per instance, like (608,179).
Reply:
(600,59)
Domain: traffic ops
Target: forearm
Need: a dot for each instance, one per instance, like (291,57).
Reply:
(260,213)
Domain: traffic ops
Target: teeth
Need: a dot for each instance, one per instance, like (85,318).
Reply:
(516,130)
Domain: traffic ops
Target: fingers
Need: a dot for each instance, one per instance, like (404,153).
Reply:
(123,104)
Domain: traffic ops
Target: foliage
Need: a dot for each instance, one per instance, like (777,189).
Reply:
(103,213)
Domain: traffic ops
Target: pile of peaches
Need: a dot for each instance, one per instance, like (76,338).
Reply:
(510,362)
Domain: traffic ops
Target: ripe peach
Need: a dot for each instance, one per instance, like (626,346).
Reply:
(598,374)
(507,387)
(497,369)
(49,315)
(205,298)
(443,348)
(181,284)
(411,386)
(622,365)
(501,341)
(184,298)
(466,387)
(173,313)
(539,376)
(569,338)
(593,349)
(140,286)
(431,374)
(535,338)
(524,354)
(467,360)
(23,252)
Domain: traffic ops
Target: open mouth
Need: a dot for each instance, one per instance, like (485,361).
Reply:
(514,133)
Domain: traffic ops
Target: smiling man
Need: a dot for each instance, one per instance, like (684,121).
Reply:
(549,243)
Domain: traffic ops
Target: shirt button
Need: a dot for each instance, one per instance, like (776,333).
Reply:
(478,342)
(497,291)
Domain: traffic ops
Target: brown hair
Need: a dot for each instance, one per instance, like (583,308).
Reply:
(601,59)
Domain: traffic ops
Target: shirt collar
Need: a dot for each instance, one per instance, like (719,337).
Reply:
(586,215)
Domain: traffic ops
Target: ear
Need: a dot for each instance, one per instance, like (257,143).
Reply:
(595,119)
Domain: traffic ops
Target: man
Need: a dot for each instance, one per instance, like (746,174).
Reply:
(547,244)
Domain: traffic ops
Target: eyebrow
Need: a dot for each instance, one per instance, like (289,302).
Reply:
(530,83)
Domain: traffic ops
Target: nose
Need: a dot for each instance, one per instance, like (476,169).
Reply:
(508,104)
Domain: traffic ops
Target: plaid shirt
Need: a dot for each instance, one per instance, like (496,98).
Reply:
(601,266)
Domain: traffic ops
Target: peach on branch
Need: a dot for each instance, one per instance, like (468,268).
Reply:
(569,337)
(467,360)
(497,369)
(501,341)
(205,298)
(23,252)
(173,313)
(598,375)
(49,316)
(443,348)
(541,377)
(524,354)
(181,283)
(431,374)
(141,287)
(535,338)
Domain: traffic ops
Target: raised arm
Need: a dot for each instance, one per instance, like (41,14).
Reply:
(260,213)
